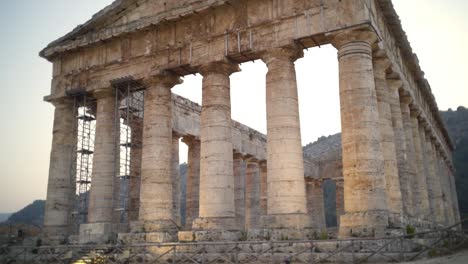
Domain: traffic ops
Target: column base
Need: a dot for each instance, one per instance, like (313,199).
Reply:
(397,220)
(152,231)
(215,223)
(286,221)
(96,233)
(55,235)
(210,235)
(364,224)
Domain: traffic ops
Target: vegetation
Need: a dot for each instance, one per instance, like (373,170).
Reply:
(32,214)
(457,124)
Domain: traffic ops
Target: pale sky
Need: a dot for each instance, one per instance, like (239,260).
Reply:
(437,30)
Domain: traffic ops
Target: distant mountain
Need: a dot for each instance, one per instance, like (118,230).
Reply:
(4,217)
(31,214)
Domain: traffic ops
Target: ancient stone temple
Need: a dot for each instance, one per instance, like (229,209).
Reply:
(114,166)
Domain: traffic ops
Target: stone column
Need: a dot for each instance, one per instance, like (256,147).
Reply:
(315,205)
(453,188)
(420,186)
(441,180)
(437,197)
(217,209)
(239,189)
(252,195)
(339,199)
(394,202)
(100,209)
(156,215)
(447,190)
(136,127)
(263,187)
(365,192)
(287,205)
(400,147)
(193,180)
(410,156)
(61,183)
(176,191)
(426,177)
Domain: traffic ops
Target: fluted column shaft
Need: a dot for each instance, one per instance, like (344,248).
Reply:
(156,191)
(175,170)
(394,201)
(239,189)
(193,181)
(410,154)
(437,196)
(365,192)
(427,185)
(61,184)
(136,127)
(286,185)
(453,187)
(101,193)
(217,208)
(252,195)
(421,199)
(263,187)
(447,191)
(339,199)
(315,205)
(400,147)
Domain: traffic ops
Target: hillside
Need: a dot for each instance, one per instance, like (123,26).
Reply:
(457,124)
(32,214)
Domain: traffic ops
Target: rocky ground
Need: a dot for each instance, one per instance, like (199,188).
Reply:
(457,258)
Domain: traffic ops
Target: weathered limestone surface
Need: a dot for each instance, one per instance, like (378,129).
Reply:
(60,186)
(239,188)
(286,186)
(394,201)
(157,211)
(339,190)
(435,182)
(410,155)
(420,185)
(216,159)
(363,162)
(176,191)
(100,209)
(315,205)
(193,180)
(263,188)
(135,39)
(135,169)
(404,172)
(252,195)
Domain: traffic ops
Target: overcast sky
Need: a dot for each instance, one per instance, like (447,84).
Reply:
(437,30)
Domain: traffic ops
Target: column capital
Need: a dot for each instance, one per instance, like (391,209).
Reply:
(394,84)
(381,64)
(61,101)
(415,111)
(165,78)
(406,99)
(288,53)
(103,93)
(342,38)
(189,139)
(222,67)
(238,155)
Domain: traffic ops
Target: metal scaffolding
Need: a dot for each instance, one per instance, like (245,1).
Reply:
(85,126)
(129,95)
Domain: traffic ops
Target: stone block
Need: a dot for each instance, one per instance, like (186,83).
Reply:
(99,233)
